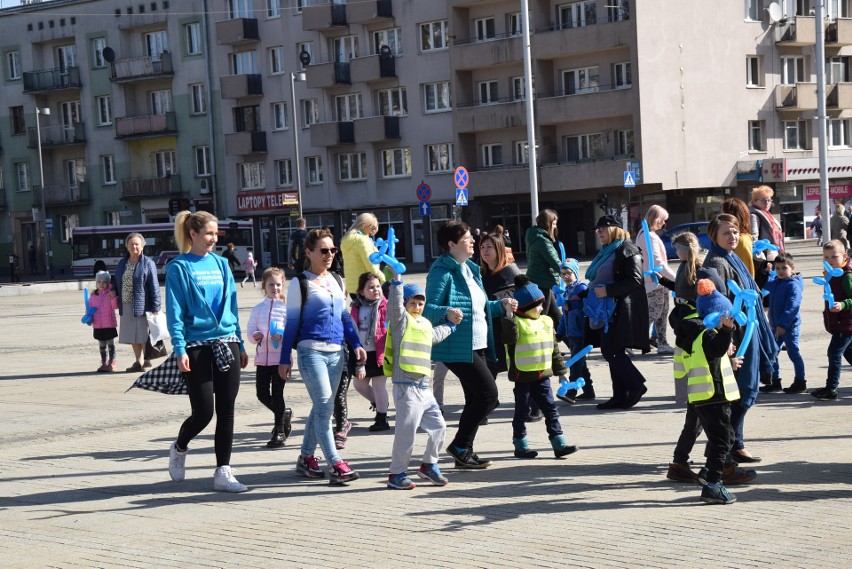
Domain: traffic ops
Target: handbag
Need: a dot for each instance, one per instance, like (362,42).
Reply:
(157,326)
(156,350)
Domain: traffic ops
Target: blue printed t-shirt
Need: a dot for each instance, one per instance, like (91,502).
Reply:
(207,275)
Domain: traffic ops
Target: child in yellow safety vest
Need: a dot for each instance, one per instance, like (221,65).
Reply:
(408,362)
(532,356)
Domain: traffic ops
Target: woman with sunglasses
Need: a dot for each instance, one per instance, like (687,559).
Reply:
(317,323)
(658,295)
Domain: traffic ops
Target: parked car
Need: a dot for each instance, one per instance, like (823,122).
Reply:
(699,228)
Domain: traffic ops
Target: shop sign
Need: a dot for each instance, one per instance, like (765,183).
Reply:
(835,192)
(266,201)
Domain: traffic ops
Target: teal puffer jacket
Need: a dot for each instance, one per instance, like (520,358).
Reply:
(542,258)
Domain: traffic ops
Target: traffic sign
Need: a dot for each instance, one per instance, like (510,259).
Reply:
(629,180)
(48,224)
(461,196)
(425,208)
(461,176)
(424,192)
(636,168)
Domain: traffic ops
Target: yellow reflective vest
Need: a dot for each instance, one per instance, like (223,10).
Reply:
(679,355)
(415,348)
(534,348)
(700,385)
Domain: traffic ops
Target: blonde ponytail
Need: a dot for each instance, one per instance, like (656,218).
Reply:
(186,221)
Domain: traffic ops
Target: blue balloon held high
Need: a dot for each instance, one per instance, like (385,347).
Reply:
(387,253)
(652,269)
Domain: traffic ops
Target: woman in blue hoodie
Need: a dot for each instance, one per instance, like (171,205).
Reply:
(201,311)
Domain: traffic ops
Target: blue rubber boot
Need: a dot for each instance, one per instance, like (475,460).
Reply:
(561,447)
(522,450)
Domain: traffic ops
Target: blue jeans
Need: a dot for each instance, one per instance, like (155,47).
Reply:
(840,347)
(791,339)
(321,374)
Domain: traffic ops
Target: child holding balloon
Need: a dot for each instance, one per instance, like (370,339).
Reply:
(572,325)
(837,316)
(785,300)
(265,329)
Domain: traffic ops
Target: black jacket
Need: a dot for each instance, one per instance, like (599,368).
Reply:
(715,344)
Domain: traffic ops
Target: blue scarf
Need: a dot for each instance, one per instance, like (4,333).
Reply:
(602,256)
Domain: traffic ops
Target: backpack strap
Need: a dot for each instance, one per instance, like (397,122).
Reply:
(303,289)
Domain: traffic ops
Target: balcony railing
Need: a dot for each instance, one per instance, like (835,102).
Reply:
(318,17)
(373,68)
(52,79)
(145,125)
(364,12)
(798,97)
(796,31)
(62,195)
(376,129)
(239,86)
(141,188)
(237,31)
(57,135)
(242,143)
(141,68)
(332,133)
(839,33)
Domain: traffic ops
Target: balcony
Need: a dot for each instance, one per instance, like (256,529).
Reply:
(581,175)
(376,129)
(558,41)
(796,98)
(504,113)
(603,103)
(242,143)
(239,86)
(321,17)
(839,33)
(796,31)
(57,135)
(142,68)
(372,68)
(838,97)
(142,188)
(325,75)
(509,179)
(367,12)
(62,195)
(332,133)
(237,31)
(52,80)
(472,54)
(145,126)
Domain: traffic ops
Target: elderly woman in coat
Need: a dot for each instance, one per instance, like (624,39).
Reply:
(138,292)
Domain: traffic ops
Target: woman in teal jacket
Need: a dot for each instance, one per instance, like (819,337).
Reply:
(454,293)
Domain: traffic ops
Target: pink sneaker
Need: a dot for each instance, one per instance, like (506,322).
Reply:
(308,467)
(340,473)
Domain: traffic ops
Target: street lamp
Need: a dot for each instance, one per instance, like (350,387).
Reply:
(293,78)
(47,252)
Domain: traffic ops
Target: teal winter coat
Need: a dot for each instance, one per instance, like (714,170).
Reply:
(446,288)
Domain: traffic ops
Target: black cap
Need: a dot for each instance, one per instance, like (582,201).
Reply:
(608,221)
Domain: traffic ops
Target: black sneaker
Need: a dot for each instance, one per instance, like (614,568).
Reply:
(588,394)
(716,493)
(534,416)
(772,387)
(467,459)
(825,394)
(798,386)
(277,440)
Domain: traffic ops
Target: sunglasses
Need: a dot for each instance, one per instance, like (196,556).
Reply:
(327,251)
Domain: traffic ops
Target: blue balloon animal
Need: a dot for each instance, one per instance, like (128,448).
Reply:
(387,253)
(565,385)
(90,310)
(559,289)
(652,269)
(830,272)
(275,327)
(744,299)
(762,245)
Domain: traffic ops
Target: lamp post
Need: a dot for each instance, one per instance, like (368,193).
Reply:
(529,106)
(293,78)
(47,252)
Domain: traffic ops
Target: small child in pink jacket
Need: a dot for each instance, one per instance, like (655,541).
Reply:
(270,313)
(105,301)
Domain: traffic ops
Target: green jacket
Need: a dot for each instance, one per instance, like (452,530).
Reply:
(542,259)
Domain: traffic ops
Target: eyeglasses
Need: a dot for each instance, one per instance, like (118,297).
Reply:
(765,200)
(327,251)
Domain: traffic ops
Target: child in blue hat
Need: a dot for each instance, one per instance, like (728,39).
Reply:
(571,326)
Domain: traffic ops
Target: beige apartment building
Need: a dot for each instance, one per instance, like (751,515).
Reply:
(697,102)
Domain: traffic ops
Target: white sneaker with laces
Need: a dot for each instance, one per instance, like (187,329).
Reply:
(224,481)
(177,463)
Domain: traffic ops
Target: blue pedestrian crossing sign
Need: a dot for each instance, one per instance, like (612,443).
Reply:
(629,180)
(461,196)
(425,208)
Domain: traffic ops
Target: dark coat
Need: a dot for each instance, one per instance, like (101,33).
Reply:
(146,287)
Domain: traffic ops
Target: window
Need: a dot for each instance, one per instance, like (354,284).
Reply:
(393,102)
(202,160)
(243,62)
(18,124)
(492,155)
(276,60)
(439,158)
(433,36)
(577,14)
(754,71)
(437,97)
(247,119)
(485,29)
(522,152)
(273,8)
(837,70)
(756,140)
(352,167)
(98,45)
(199,98)
(283,173)
(514,26)
(165,163)
(487,92)
(279,116)
(796,136)
(67,223)
(583,147)
(839,133)
(66,57)
(840,9)
(518,88)
(155,44)
(307,47)
(13,65)
(753,10)
(108,169)
(624,143)
(161,102)
(792,70)
(396,162)
(344,48)
(310,112)
(621,77)
(348,107)
(22,172)
(113,217)
(192,34)
(584,80)
(240,9)
(391,38)
(252,176)
(617,10)
(315,175)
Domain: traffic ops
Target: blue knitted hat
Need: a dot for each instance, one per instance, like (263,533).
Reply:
(527,293)
(412,289)
(709,299)
(573,265)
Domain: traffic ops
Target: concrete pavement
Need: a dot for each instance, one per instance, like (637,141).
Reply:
(84,478)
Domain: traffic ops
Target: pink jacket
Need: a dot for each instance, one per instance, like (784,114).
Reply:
(261,315)
(381,327)
(105,314)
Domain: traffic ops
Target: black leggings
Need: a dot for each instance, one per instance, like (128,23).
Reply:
(270,391)
(480,396)
(202,381)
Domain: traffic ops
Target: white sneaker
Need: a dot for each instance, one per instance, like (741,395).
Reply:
(224,481)
(665,349)
(177,463)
